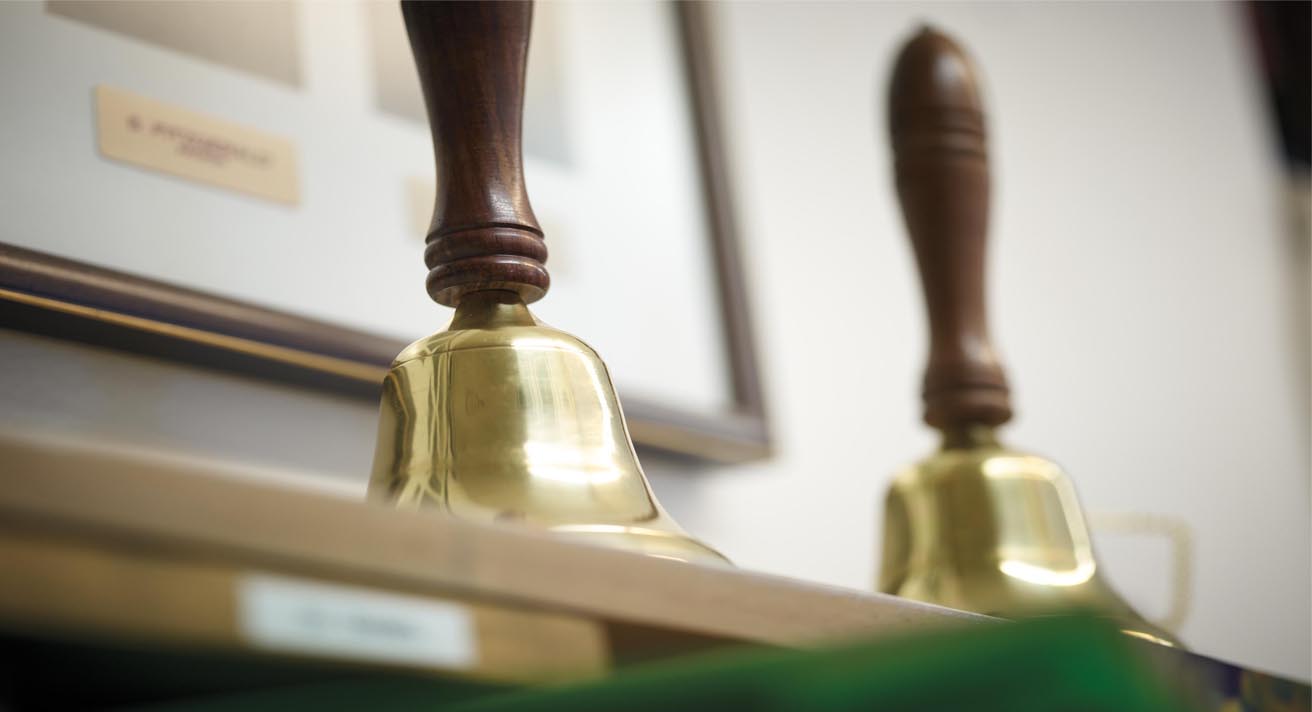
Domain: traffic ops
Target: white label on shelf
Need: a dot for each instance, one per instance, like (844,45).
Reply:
(299,616)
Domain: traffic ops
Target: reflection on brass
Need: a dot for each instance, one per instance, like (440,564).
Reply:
(979,527)
(503,419)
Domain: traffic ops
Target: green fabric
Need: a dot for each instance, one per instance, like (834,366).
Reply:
(1055,664)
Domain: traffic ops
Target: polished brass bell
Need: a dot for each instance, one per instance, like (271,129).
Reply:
(976,526)
(501,418)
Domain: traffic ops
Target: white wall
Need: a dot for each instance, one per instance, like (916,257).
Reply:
(1140,286)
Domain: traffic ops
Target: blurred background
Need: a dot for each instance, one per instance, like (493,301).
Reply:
(1149,261)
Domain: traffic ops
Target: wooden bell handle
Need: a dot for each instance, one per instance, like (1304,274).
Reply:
(471,58)
(941,164)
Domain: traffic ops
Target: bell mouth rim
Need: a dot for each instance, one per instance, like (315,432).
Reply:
(599,532)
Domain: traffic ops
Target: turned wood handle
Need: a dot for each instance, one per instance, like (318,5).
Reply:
(471,58)
(941,163)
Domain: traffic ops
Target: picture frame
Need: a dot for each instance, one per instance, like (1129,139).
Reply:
(68,299)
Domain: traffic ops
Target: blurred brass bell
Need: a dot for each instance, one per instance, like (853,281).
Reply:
(975,526)
(501,418)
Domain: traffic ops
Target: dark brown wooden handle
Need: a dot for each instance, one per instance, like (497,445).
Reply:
(471,58)
(941,162)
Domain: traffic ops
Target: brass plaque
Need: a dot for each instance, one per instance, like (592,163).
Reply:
(151,134)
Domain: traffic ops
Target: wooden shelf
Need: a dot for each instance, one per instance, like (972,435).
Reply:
(144,548)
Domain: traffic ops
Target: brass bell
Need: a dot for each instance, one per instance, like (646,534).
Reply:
(501,418)
(976,526)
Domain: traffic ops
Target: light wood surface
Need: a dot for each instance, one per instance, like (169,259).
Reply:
(119,528)
(76,589)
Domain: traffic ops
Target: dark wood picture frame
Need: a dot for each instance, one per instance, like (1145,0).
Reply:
(55,296)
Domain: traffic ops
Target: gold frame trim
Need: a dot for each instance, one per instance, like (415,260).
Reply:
(282,354)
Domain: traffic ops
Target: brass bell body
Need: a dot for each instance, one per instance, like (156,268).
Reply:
(503,419)
(983,528)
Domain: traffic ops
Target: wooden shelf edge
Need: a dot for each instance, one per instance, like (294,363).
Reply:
(155,507)
(81,590)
